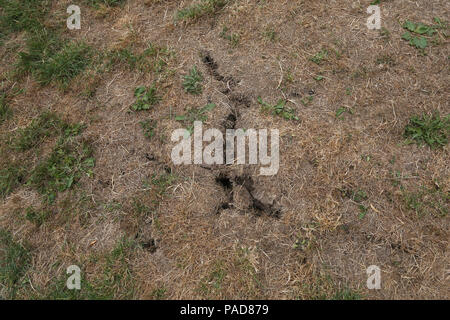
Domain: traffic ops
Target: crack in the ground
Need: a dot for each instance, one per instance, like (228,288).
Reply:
(224,180)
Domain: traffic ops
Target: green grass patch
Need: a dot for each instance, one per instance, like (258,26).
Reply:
(14,261)
(46,57)
(200,9)
(5,110)
(22,15)
(49,59)
(65,65)
(211,285)
(11,177)
(115,280)
(37,216)
(45,125)
(153,59)
(346,294)
(432,130)
(67,163)
(159,293)
(434,201)
(108,3)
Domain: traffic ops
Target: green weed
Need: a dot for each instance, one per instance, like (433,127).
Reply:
(270,34)
(193,82)
(148,127)
(233,38)
(278,109)
(421,30)
(340,112)
(146,98)
(195,114)
(319,57)
(162,182)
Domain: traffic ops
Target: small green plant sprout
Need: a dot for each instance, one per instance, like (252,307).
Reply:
(195,114)
(385,59)
(233,38)
(160,183)
(359,196)
(278,109)
(159,293)
(148,127)
(362,211)
(340,112)
(432,130)
(319,57)
(193,82)
(270,34)
(307,100)
(146,98)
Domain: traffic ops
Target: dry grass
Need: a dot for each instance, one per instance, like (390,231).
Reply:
(187,247)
